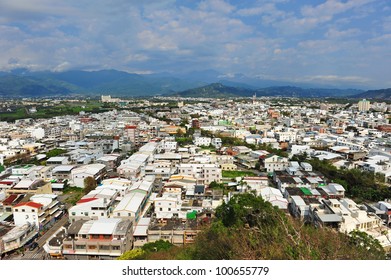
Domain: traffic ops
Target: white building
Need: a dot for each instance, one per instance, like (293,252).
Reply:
(204,173)
(202,141)
(95,171)
(169,206)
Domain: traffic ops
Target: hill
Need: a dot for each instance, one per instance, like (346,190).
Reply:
(119,83)
(247,227)
(375,94)
(219,90)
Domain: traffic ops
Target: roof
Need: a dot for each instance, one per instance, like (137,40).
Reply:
(30,204)
(57,159)
(130,202)
(83,200)
(63,168)
(329,218)
(104,226)
(306,191)
(142,227)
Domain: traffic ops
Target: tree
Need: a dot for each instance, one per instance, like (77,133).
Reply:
(89,184)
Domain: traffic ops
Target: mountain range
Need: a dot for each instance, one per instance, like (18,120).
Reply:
(23,83)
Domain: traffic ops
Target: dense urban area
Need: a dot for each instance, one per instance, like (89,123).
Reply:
(194,178)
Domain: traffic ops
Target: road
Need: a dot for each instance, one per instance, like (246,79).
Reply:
(39,253)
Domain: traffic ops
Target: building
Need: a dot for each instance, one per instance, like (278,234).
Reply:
(204,173)
(364,105)
(130,206)
(96,171)
(97,204)
(104,238)
(132,133)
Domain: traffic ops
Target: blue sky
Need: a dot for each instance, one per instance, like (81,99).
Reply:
(330,42)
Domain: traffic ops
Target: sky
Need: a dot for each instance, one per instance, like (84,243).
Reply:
(331,42)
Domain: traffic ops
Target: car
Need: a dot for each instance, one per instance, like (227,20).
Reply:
(33,246)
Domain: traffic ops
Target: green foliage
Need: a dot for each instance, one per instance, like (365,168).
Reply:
(89,184)
(55,152)
(73,194)
(183,141)
(367,244)
(1,168)
(135,254)
(160,245)
(360,185)
(236,173)
(147,251)
(247,227)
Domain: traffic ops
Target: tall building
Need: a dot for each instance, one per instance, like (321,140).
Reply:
(132,134)
(364,105)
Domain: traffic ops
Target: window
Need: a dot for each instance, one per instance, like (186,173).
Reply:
(169,209)
(32,210)
(16,210)
(23,210)
(160,209)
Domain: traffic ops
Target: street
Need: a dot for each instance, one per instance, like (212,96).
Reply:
(39,253)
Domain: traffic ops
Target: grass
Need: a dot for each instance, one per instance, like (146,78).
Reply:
(75,194)
(235,173)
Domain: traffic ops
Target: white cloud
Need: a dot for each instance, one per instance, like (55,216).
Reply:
(62,67)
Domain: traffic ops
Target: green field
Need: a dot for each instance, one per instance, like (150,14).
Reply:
(65,108)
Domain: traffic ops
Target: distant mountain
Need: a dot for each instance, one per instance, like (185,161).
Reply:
(16,86)
(209,83)
(215,90)
(23,83)
(375,94)
(219,90)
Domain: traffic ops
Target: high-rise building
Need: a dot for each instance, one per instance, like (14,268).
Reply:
(364,105)
(132,134)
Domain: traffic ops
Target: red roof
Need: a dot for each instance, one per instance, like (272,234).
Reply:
(130,126)
(86,200)
(29,203)
(10,199)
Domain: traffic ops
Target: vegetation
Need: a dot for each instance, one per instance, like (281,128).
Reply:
(148,251)
(73,194)
(55,152)
(1,168)
(247,227)
(359,185)
(89,184)
(237,173)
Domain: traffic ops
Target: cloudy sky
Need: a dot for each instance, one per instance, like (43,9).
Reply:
(317,41)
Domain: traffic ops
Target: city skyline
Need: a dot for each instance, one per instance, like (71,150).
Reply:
(339,43)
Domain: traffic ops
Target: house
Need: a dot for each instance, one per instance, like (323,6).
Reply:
(272,163)
(130,206)
(168,206)
(103,238)
(63,172)
(298,207)
(58,161)
(275,197)
(110,161)
(96,171)
(97,204)
(204,173)
(175,231)
(140,234)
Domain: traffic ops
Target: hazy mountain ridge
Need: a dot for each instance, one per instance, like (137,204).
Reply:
(209,83)
(220,90)
(376,94)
